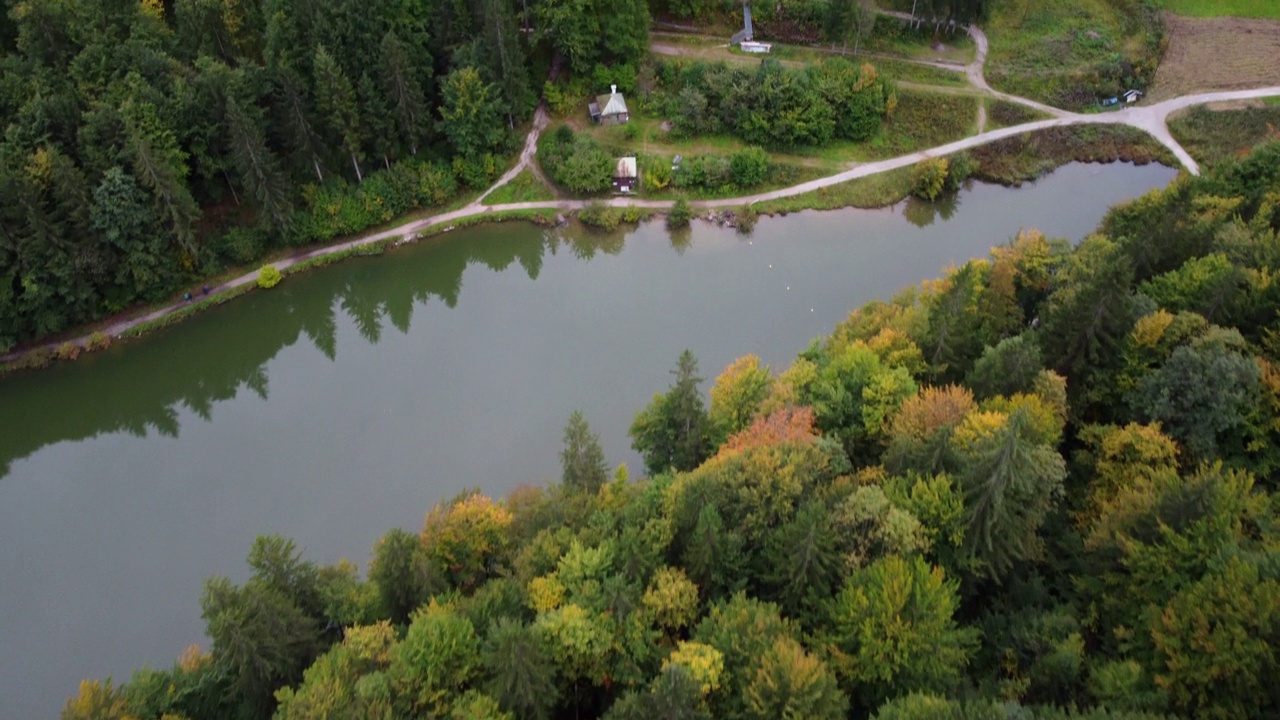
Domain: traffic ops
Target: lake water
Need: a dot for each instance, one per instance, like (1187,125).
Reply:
(349,400)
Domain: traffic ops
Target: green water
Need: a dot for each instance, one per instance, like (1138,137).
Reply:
(349,400)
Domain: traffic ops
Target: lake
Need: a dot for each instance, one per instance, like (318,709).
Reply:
(349,400)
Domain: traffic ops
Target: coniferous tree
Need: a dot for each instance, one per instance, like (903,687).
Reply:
(336,98)
(404,92)
(582,460)
(259,170)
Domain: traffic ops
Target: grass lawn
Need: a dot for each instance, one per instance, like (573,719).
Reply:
(1215,8)
(524,187)
(1069,52)
(795,55)
(1212,136)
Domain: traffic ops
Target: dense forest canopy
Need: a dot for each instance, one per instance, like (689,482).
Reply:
(150,143)
(1039,487)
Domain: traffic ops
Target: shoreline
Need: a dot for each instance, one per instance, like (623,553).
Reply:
(131,325)
(809,195)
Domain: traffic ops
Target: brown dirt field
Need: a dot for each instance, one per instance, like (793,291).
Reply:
(1224,53)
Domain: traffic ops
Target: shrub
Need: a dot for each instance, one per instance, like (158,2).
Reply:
(98,341)
(476,173)
(747,217)
(680,214)
(601,216)
(33,360)
(68,351)
(269,277)
(960,167)
(576,162)
(929,178)
(749,167)
(656,174)
(243,244)
(632,214)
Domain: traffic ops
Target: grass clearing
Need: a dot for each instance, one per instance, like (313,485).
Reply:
(923,120)
(524,187)
(1068,53)
(1215,135)
(869,192)
(1217,8)
(1003,114)
(895,36)
(1025,157)
(1217,54)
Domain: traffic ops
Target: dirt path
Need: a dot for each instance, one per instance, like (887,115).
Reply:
(540,121)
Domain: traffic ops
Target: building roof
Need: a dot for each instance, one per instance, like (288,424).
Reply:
(612,104)
(626,168)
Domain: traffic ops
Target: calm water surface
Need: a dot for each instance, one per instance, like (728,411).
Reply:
(350,400)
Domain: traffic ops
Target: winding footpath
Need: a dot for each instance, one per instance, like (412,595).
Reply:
(1148,118)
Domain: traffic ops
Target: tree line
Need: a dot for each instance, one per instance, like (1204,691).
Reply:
(1041,486)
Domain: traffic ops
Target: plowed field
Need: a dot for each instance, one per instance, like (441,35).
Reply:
(1222,53)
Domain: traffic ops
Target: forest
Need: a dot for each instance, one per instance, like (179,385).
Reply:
(1038,487)
(149,145)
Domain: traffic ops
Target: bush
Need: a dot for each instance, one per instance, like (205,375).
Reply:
(960,167)
(243,244)
(269,277)
(777,107)
(98,341)
(680,214)
(747,217)
(576,162)
(656,173)
(749,167)
(632,214)
(929,178)
(68,351)
(601,216)
(477,173)
(33,360)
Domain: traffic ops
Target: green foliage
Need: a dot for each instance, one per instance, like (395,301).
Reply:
(261,639)
(749,167)
(1011,482)
(792,683)
(930,178)
(403,575)
(434,663)
(576,161)
(582,460)
(517,669)
(470,115)
(775,107)
(605,217)
(269,277)
(1202,391)
(737,396)
(894,627)
(1010,367)
(672,432)
(1216,641)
